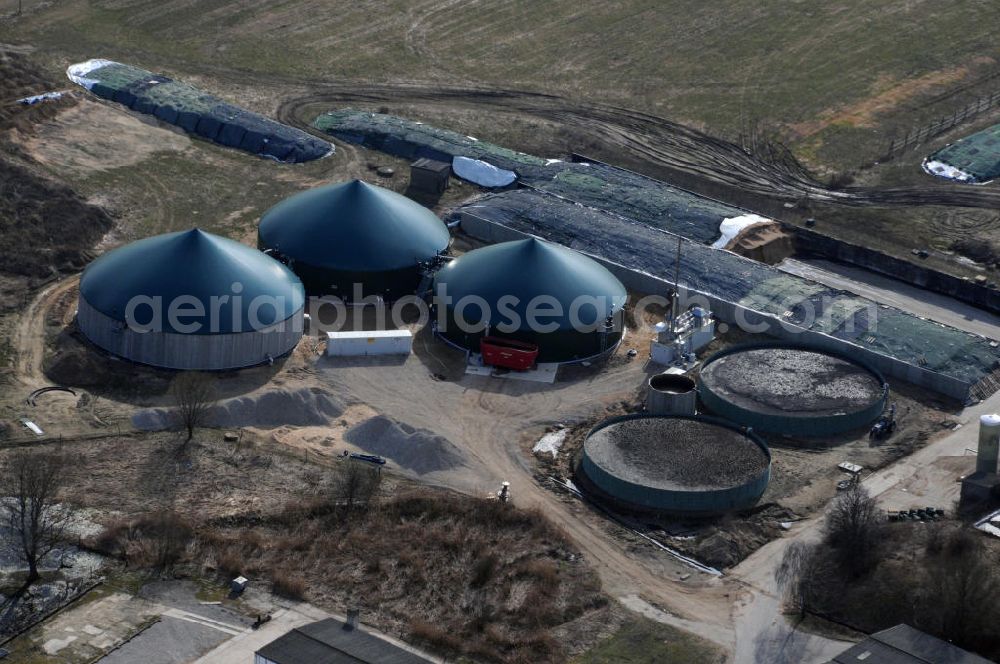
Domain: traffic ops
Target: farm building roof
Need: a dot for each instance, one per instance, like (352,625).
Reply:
(194,265)
(328,642)
(529,268)
(353,226)
(976,156)
(903,644)
(197,112)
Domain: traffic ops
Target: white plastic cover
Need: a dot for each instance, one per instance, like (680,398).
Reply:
(37,99)
(732,226)
(481,173)
(943,170)
(78,72)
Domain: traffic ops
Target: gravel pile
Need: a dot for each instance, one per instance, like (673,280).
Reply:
(303,407)
(678,454)
(788,381)
(417,450)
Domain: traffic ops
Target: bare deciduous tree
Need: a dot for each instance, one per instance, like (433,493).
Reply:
(853,529)
(356,485)
(961,589)
(37,523)
(193,394)
(804,577)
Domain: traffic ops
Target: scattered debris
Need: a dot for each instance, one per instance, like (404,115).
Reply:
(43,390)
(31,426)
(551,442)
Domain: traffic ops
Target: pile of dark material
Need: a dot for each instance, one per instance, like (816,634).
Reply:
(677,454)
(202,114)
(789,381)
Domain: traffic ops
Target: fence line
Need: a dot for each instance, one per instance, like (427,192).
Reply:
(917,137)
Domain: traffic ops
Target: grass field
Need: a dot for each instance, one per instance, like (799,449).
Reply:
(643,641)
(834,79)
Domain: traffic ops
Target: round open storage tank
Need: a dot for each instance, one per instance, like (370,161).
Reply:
(534,292)
(671,394)
(191,300)
(339,235)
(677,464)
(794,390)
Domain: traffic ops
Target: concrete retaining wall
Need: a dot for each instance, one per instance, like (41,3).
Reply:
(735,314)
(791,425)
(967,291)
(694,502)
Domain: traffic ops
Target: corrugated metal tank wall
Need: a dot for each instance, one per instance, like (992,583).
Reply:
(671,394)
(189,351)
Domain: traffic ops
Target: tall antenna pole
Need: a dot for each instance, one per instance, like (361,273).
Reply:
(677,285)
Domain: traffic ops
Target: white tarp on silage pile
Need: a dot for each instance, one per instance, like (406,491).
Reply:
(481,173)
(733,226)
(78,72)
(943,170)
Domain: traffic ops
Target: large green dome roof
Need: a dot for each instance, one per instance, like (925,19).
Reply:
(199,265)
(530,268)
(353,226)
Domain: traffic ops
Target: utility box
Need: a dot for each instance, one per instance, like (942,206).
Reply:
(239,584)
(429,176)
(383,342)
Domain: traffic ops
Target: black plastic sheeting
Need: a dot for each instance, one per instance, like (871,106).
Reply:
(597,185)
(204,115)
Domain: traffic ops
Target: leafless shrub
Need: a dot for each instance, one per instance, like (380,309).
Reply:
(230,563)
(436,636)
(288,585)
(193,394)
(853,526)
(483,569)
(356,485)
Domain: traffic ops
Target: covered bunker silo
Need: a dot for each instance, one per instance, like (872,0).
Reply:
(531,291)
(339,235)
(793,390)
(191,300)
(684,465)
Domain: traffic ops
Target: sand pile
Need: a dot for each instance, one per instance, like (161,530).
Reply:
(303,407)
(417,450)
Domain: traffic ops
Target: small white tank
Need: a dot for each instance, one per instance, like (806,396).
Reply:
(989,444)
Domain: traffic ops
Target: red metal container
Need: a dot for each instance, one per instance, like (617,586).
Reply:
(517,355)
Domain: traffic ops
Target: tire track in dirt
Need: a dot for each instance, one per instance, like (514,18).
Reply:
(648,137)
(29,335)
